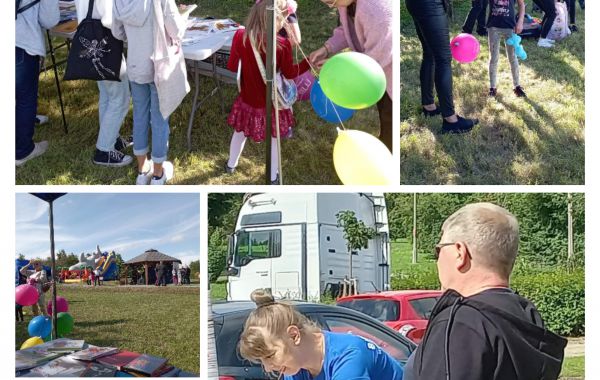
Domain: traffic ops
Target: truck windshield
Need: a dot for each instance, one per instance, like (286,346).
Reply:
(257,245)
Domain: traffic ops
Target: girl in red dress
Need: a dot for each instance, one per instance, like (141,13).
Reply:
(248,114)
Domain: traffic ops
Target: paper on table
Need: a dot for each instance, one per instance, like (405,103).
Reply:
(199,29)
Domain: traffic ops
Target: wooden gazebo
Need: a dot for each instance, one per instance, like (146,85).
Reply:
(150,258)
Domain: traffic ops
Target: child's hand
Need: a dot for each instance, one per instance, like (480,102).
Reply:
(318,56)
(519,27)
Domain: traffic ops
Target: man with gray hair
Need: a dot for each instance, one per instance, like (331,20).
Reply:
(479,328)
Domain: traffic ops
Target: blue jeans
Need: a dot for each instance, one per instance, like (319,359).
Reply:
(113,105)
(146,115)
(27,72)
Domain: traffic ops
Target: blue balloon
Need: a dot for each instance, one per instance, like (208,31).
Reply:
(325,108)
(40,326)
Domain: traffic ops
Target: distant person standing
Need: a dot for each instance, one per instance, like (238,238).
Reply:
(161,272)
(180,275)
(477,13)
(97,276)
(174,275)
(37,277)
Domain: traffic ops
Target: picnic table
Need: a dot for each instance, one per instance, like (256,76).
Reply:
(207,39)
(41,361)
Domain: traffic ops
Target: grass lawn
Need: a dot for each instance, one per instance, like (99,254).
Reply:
(573,368)
(307,157)
(161,321)
(538,140)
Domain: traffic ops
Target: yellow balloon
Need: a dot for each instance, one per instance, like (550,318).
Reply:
(33,341)
(361,159)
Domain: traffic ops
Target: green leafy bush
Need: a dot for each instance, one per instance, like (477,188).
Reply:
(217,253)
(559,296)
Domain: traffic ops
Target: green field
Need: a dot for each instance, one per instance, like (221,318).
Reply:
(307,157)
(538,140)
(160,321)
(573,368)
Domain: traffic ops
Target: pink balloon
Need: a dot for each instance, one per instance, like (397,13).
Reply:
(26,295)
(62,306)
(304,84)
(464,48)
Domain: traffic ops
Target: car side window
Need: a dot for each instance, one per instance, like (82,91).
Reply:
(390,344)
(423,306)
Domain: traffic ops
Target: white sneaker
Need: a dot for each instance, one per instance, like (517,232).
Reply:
(546,43)
(145,177)
(39,149)
(166,176)
(41,119)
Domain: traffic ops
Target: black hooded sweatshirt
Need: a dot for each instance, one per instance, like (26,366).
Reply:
(493,335)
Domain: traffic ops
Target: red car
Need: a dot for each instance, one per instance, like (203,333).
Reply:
(406,311)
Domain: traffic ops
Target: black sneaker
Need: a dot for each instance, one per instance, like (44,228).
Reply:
(462,125)
(574,28)
(428,113)
(493,92)
(123,143)
(228,170)
(113,158)
(519,92)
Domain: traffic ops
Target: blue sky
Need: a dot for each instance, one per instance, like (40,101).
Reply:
(128,223)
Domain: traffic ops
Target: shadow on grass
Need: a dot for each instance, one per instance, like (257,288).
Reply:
(108,322)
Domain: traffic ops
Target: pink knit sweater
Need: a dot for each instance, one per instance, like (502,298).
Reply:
(370,33)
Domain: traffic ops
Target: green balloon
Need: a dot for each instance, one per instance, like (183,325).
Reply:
(64,323)
(353,80)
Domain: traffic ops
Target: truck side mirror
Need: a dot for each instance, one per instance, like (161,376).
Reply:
(230,249)
(245,260)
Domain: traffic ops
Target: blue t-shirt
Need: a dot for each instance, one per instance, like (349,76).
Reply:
(351,357)
(502,14)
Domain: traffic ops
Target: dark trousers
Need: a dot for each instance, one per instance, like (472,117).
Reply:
(571,5)
(27,70)
(384,106)
(162,279)
(19,313)
(549,9)
(477,13)
(431,23)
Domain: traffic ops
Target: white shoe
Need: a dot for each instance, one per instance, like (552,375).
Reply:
(166,175)
(546,43)
(39,149)
(145,177)
(41,119)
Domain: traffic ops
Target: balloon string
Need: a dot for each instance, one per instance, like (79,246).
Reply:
(316,75)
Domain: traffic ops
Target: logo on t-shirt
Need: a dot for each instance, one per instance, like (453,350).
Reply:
(371,346)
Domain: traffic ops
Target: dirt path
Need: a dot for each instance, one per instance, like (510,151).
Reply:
(575,347)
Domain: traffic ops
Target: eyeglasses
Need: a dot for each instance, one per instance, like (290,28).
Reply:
(438,248)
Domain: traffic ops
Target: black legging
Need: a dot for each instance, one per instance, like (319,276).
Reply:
(549,9)
(431,23)
(477,13)
(571,5)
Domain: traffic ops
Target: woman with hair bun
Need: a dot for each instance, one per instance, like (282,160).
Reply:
(285,341)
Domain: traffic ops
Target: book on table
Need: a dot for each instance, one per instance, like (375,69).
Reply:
(61,367)
(65,345)
(98,370)
(93,352)
(118,360)
(146,365)
(33,357)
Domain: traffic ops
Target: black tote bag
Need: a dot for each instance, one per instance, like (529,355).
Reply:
(95,53)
